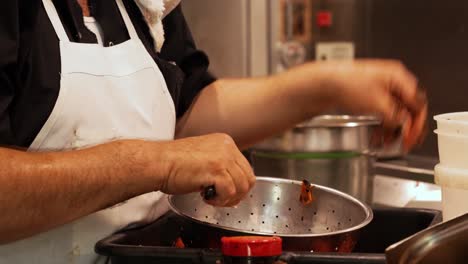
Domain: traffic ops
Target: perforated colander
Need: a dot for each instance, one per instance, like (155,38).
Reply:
(273,208)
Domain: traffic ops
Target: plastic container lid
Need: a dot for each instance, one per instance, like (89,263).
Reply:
(453,117)
(453,123)
(252,246)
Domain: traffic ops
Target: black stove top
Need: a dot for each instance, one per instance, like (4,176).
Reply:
(155,243)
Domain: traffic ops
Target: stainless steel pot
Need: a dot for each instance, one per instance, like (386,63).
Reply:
(329,133)
(330,223)
(334,150)
(347,172)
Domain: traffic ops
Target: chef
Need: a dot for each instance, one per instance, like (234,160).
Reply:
(107,104)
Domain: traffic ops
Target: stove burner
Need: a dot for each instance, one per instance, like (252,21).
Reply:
(161,240)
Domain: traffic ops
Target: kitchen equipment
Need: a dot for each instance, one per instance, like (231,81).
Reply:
(347,172)
(328,133)
(392,151)
(453,149)
(251,250)
(454,184)
(256,38)
(452,172)
(155,243)
(336,151)
(453,123)
(411,167)
(330,223)
(443,243)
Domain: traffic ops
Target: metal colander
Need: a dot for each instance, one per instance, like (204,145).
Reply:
(273,208)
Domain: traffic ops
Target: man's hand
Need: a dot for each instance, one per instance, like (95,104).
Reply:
(382,87)
(199,162)
(387,89)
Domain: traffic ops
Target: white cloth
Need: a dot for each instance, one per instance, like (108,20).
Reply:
(154,11)
(106,93)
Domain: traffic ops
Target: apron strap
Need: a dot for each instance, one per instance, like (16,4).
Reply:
(55,20)
(128,22)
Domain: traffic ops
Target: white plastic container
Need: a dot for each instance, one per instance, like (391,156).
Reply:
(453,123)
(454,203)
(454,184)
(453,150)
(452,172)
(452,178)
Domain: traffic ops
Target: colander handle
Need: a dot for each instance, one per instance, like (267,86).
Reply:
(209,193)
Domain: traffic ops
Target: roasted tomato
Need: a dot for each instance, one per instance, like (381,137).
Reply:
(306,193)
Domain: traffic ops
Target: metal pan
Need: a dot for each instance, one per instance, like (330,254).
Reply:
(329,224)
(444,243)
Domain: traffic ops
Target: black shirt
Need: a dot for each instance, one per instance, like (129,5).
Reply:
(30,59)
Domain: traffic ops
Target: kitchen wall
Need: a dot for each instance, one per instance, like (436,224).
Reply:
(431,38)
(350,20)
(233,35)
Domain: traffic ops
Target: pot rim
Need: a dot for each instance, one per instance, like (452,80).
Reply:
(338,121)
(365,207)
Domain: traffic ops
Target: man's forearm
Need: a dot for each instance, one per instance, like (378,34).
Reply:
(39,191)
(252,109)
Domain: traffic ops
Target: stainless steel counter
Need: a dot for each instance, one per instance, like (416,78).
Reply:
(406,182)
(416,168)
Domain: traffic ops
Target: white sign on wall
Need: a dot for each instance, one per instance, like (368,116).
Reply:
(326,51)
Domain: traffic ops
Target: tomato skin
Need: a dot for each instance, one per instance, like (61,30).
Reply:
(306,196)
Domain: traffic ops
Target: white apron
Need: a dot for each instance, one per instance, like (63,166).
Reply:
(105,94)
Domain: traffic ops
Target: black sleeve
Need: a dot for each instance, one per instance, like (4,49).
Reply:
(9,37)
(180,48)
(17,18)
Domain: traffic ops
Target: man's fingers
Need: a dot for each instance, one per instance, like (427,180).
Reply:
(240,180)
(415,129)
(247,169)
(391,110)
(404,85)
(225,190)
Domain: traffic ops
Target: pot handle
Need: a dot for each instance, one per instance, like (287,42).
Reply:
(377,141)
(209,193)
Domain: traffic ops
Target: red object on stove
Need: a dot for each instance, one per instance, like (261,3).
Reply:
(252,246)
